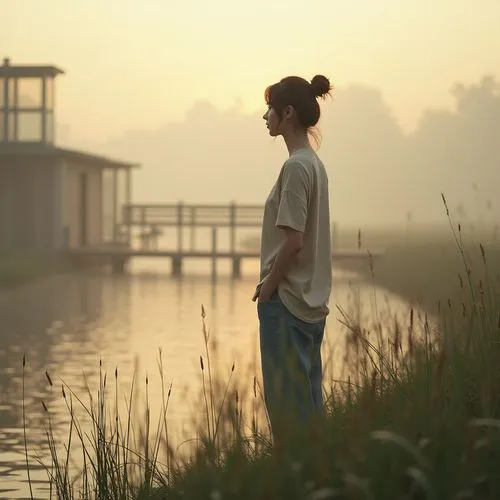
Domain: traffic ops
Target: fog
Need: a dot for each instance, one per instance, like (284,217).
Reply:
(378,173)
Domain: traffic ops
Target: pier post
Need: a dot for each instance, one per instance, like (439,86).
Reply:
(232,241)
(214,254)
(236,267)
(232,227)
(128,201)
(180,223)
(143,227)
(193,228)
(177,266)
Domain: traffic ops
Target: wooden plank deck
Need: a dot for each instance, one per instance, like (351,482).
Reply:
(125,252)
(118,257)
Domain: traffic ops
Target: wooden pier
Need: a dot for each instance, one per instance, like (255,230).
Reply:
(142,226)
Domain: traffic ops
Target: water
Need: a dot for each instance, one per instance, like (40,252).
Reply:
(66,324)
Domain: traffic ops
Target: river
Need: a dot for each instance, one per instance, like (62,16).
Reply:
(66,325)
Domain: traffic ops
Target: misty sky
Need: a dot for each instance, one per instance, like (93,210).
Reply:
(178,87)
(141,63)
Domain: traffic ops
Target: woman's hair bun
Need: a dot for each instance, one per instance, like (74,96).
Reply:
(320,86)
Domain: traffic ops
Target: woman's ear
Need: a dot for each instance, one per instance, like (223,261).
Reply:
(288,112)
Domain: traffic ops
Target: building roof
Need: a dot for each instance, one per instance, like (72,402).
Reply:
(48,151)
(28,71)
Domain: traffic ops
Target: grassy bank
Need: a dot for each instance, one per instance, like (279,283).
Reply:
(419,418)
(23,267)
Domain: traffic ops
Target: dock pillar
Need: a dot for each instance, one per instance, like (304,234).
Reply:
(236,267)
(214,254)
(177,266)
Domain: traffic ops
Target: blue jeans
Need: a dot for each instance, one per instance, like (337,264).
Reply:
(290,352)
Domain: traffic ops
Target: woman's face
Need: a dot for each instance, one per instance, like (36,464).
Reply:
(272,121)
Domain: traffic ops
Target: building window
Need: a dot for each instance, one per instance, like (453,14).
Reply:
(29,93)
(49,94)
(11,98)
(29,126)
(2,92)
(27,109)
(49,126)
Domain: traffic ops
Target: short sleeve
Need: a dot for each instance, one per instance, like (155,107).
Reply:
(294,197)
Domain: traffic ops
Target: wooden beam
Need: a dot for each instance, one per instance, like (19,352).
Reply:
(220,254)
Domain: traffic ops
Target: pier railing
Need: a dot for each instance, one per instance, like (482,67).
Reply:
(149,219)
(181,214)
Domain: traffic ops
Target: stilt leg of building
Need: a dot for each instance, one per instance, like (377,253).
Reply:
(118,265)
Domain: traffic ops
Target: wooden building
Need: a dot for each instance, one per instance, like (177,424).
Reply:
(51,197)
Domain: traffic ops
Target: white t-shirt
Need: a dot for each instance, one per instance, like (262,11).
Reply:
(300,200)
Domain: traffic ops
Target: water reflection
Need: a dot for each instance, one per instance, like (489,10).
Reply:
(68,325)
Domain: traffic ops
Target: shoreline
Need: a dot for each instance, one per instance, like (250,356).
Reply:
(24,268)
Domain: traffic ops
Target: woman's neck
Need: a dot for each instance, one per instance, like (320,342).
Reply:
(296,140)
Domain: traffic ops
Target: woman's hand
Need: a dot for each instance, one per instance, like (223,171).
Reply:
(266,291)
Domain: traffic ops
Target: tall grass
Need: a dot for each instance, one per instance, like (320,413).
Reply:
(416,417)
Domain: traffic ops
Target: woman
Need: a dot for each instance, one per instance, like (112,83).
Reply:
(296,262)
